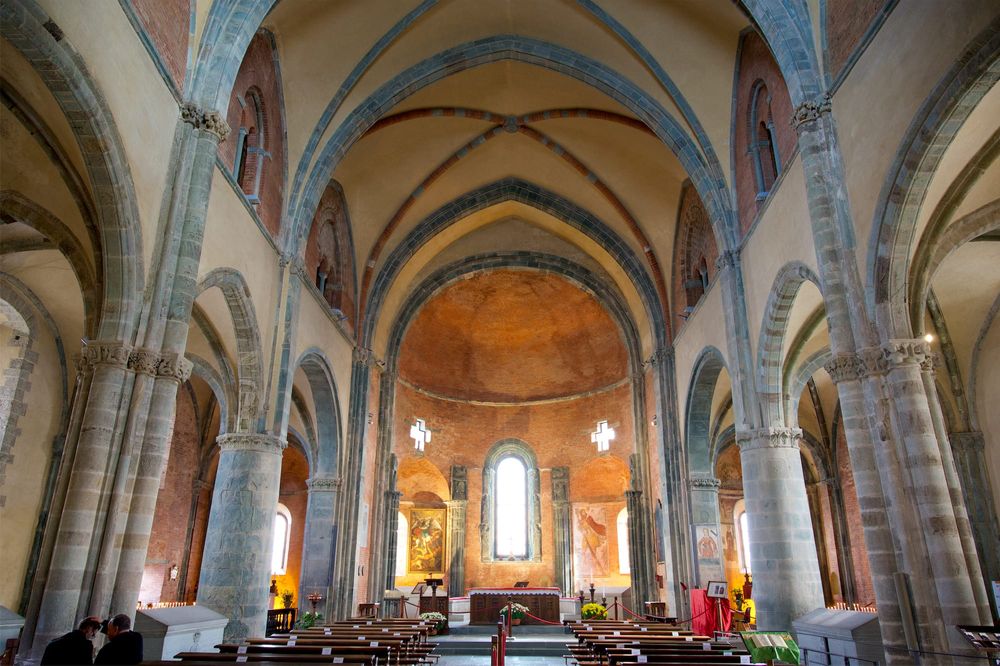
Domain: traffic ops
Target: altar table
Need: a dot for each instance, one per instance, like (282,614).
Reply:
(485,603)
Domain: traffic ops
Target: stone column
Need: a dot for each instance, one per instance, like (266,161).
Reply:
(970,461)
(151,418)
(392,540)
(319,541)
(236,566)
(929,485)
(786,574)
(562,522)
(846,371)
(66,596)
(640,551)
(965,533)
(705,513)
(456,530)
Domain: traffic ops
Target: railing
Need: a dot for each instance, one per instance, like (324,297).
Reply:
(280,621)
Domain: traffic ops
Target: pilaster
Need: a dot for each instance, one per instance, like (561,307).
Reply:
(562,523)
(457,507)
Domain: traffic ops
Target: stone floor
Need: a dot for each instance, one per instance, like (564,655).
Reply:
(467,660)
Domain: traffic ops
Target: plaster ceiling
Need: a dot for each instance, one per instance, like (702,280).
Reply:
(510,336)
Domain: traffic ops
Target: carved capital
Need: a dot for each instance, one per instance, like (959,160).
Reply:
(365,356)
(770,438)
(111,353)
(727,259)
(208,121)
(174,367)
(560,484)
(459,482)
(914,351)
(873,361)
(252,441)
(143,362)
(323,484)
(810,111)
(845,368)
(931,363)
(968,442)
(704,483)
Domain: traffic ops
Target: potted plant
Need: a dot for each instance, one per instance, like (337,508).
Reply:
(309,620)
(517,612)
(738,598)
(594,611)
(438,620)
(287,597)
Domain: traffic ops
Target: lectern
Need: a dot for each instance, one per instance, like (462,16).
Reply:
(434,603)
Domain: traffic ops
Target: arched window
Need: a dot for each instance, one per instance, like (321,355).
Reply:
(511,519)
(742,536)
(250,149)
(512,509)
(402,534)
(763,147)
(624,566)
(282,534)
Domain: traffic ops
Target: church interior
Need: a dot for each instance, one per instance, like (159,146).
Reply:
(307,303)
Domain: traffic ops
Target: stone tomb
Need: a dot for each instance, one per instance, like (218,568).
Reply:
(167,631)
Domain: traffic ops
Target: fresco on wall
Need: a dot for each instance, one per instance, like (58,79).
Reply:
(427,540)
(708,549)
(590,540)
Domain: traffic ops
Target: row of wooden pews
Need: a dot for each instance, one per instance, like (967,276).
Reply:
(353,642)
(613,642)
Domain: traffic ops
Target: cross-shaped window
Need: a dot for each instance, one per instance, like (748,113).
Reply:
(602,436)
(420,434)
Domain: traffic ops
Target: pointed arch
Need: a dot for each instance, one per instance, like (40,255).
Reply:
(770,348)
(698,413)
(250,370)
(932,130)
(63,72)
(707,178)
(326,409)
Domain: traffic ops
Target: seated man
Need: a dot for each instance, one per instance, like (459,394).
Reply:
(124,645)
(75,647)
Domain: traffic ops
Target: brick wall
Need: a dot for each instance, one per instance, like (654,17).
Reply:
(293,493)
(846,23)
(757,64)
(329,243)
(694,250)
(168,538)
(168,24)
(859,554)
(258,72)
(558,433)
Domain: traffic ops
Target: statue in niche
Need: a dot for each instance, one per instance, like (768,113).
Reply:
(459,485)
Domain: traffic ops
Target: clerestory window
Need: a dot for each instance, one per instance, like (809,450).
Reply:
(512,509)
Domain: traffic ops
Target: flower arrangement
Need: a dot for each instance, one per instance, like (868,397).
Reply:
(309,620)
(517,611)
(437,618)
(594,611)
(287,597)
(738,597)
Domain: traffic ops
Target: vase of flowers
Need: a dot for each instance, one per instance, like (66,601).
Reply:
(594,611)
(437,620)
(517,612)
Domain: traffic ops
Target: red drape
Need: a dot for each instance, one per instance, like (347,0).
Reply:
(705,613)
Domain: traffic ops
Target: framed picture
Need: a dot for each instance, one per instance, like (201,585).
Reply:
(718,589)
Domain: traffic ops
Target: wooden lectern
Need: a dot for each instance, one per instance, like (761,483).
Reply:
(434,603)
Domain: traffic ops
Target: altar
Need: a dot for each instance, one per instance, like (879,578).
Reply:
(485,603)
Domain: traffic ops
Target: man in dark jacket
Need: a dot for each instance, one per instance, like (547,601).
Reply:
(124,645)
(74,647)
